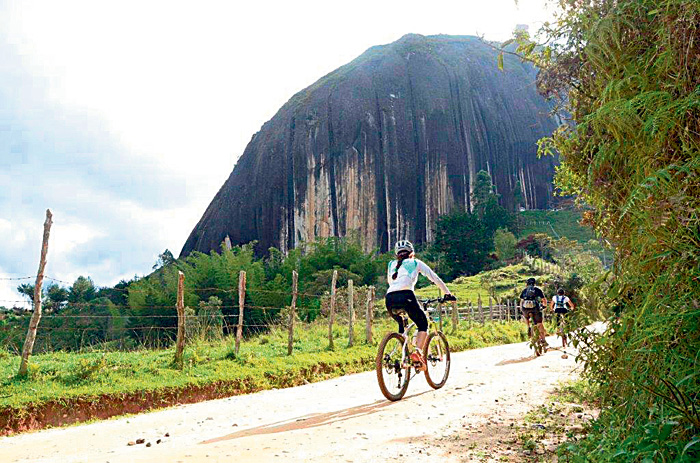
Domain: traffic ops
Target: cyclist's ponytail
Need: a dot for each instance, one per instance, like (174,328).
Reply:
(402,255)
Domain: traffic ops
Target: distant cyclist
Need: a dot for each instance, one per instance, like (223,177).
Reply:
(402,276)
(559,306)
(532,300)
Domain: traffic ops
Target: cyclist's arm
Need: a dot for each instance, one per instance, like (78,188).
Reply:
(571,304)
(432,276)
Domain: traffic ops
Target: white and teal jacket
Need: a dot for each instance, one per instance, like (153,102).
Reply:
(408,275)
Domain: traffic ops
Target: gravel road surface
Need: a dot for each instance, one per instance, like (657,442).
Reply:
(341,420)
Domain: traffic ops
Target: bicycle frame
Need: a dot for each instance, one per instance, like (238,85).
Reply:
(408,340)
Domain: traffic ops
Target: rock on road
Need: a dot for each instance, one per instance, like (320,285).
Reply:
(341,420)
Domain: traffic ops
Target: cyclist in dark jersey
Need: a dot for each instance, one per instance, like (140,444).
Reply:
(532,300)
(558,305)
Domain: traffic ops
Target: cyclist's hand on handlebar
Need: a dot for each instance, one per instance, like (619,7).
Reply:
(449,297)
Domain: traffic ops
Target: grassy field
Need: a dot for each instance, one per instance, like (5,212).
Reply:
(69,378)
(505,282)
(557,224)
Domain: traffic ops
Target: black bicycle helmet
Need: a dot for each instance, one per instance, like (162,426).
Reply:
(531,281)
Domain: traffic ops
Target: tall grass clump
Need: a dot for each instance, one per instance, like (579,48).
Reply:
(628,74)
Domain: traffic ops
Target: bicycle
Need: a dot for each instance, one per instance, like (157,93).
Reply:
(536,344)
(393,361)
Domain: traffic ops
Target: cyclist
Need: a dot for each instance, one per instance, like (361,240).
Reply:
(558,305)
(402,276)
(532,300)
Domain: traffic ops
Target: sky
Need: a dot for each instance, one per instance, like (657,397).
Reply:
(126,117)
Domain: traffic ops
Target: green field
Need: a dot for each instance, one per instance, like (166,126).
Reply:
(557,224)
(505,282)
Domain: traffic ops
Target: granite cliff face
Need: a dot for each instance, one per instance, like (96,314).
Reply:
(383,145)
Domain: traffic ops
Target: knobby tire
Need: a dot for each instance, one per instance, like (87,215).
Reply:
(436,339)
(379,362)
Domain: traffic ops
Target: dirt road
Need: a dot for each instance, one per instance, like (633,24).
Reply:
(340,420)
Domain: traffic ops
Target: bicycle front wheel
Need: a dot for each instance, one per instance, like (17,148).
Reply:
(393,367)
(437,359)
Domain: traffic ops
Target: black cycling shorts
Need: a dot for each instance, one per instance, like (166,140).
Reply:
(537,314)
(406,300)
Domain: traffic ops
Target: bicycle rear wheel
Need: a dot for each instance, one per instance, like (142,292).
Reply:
(535,341)
(533,333)
(393,367)
(437,359)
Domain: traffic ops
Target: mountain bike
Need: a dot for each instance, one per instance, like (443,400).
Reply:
(394,365)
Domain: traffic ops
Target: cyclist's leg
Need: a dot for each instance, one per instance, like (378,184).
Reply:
(527,320)
(563,330)
(416,314)
(393,300)
(540,326)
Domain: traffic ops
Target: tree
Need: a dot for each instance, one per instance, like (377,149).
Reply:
(465,242)
(483,195)
(486,206)
(504,242)
(165,258)
(83,290)
(518,196)
(27,290)
(56,297)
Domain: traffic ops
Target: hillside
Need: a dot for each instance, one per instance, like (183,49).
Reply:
(557,224)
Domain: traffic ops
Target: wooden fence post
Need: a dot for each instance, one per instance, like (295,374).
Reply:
(36,315)
(331,313)
(455,317)
(490,309)
(471,311)
(481,310)
(351,317)
(180,306)
(241,305)
(292,310)
(369,315)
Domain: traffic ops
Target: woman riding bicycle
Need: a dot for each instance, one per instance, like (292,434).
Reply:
(559,306)
(402,276)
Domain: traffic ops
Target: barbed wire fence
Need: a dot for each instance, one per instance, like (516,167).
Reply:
(180,324)
(218,321)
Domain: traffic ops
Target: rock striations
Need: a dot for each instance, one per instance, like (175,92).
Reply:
(382,146)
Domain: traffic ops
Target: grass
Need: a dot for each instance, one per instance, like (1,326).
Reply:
(504,282)
(565,416)
(262,363)
(557,224)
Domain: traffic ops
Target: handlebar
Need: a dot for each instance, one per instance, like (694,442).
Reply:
(441,300)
